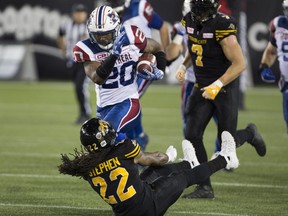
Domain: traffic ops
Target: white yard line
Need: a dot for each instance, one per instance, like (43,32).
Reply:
(214,183)
(106,209)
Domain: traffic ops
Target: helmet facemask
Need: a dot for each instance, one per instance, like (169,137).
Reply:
(103,27)
(203,10)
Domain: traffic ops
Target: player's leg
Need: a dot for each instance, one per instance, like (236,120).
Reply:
(186,91)
(284,91)
(81,84)
(168,189)
(199,113)
(227,105)
(142,85)
(123,116)
(138,132)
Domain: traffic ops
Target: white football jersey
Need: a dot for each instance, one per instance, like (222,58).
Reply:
(279,38)
(121,84)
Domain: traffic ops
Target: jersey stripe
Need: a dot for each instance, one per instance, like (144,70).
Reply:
(132,113)
(222,33)
(133,153)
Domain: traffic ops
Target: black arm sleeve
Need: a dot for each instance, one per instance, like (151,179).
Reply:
(161,60)
(104,70)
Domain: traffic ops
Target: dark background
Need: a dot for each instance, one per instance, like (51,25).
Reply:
(53,67)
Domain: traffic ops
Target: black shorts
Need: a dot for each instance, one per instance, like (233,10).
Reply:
(200,110)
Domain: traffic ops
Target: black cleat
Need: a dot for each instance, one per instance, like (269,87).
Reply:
(257,140)
(201,191)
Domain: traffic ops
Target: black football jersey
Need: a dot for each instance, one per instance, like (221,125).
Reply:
(116,178)
(209,61)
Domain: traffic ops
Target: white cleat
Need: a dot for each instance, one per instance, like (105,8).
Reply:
(228,150)
(189,153)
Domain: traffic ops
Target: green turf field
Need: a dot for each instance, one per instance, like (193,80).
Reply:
(36,125)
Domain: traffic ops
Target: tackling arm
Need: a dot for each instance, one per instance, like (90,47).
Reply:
(153,158)
(156,158)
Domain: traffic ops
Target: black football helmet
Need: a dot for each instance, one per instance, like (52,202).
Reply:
(203,10)
(96,134)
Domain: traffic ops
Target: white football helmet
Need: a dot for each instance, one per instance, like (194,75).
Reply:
(103,26)
(285,7)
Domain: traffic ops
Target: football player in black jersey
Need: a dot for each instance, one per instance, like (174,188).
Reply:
(110,167)
(217,61)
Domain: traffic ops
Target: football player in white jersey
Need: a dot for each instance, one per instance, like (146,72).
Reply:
(109,56)
(278,47)
(141,14)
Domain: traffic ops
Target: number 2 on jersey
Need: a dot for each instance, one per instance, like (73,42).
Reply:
(199,51)
(123,192)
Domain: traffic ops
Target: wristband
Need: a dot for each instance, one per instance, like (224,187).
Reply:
(218,83)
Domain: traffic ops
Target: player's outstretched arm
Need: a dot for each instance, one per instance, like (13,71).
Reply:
(156,158)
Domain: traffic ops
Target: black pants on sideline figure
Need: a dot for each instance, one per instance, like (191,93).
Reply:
(81,84)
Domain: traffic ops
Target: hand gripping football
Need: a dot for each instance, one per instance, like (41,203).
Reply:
(144,62)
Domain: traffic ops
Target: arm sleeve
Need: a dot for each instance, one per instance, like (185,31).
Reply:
(132,149)
(137,37)
(154,20)
(225,27)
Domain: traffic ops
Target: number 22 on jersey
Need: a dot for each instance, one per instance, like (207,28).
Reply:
(123,191)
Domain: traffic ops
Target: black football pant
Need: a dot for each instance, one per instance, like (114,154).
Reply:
(200,111)
(169,181)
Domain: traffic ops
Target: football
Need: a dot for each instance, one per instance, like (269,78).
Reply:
(144,62)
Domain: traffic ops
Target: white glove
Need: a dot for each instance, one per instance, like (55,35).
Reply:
(171,152)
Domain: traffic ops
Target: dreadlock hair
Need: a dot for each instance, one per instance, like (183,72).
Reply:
(82,162)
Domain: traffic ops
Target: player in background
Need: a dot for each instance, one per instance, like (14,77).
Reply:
(141,14)
(278,46)
(109,56)
(186,77)
(217,62)
(111,170)
(70,32)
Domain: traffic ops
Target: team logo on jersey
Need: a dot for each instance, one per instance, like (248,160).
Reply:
(231,26)
(190,30)
(208,35)
(102,55)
